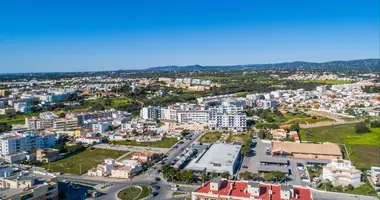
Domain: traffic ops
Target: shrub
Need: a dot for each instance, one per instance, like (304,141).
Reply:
(361,128)
(350,187)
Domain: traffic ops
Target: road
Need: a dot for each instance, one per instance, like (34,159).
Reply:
(322,195)
(146,179)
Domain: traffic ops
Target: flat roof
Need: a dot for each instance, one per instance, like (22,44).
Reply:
(219,157)
(273,160)
(269,168)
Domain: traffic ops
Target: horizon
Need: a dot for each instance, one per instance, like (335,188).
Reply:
(45,36)
(180,66)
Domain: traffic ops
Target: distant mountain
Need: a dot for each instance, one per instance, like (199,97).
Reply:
(364,63)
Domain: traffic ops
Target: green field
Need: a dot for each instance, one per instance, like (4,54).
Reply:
(210,137)
(362,148)
(239,138)
(115,102)
(165,143)
(134,193)
(242,94)
(16,119)
(328,82)
(302,118)
(88,159)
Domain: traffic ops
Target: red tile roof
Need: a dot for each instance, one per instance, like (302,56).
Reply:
(239,188)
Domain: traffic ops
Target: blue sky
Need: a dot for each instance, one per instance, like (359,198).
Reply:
(44,36)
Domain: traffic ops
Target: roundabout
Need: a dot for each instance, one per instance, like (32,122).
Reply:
(134,193)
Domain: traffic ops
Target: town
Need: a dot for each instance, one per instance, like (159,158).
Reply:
(117,137)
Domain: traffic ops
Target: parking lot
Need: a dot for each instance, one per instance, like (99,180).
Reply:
(262,162)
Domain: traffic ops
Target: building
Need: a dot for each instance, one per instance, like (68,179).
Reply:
(13,142)
(142,156)
(279,134)
(65,124)
(219,158)
(375,175)
(341,172)
(101,127)
(46,154)
(151,112)
(323,151)
(90,140)
(103,169)
(192,116)
(321,89)
(34,123)
(29,185)
(244,190)
(228,117)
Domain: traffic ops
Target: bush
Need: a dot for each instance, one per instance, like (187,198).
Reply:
(375,124)
(361,128)
(314,117)
(350,187)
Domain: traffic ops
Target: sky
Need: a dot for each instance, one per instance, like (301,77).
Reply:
(63,36)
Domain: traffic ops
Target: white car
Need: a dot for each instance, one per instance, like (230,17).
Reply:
(174,188)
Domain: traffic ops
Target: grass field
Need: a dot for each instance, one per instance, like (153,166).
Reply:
(115,102)
(239,138)
(242,94)
(165,143)
(302,118)
(134,193)
(17,119)
(87,159)
(328,82)
(362,148)
(210,137)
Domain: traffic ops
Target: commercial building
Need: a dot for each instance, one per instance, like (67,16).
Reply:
(341,172)
(219,158)
(323,151)
(244,190)
(65,124)
(29,185)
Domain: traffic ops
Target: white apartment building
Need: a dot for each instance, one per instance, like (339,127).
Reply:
(38,124)
(13,142)
(100,127)
(341,172)
(151,112)
(230,117)
(192,116)
(65,124)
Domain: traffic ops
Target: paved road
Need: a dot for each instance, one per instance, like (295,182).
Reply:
(321,195)
(145,179)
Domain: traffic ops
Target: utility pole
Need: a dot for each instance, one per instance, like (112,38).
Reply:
(80,168)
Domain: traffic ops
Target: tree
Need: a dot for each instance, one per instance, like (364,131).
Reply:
(261,134)
(268,177)
(278,175)
(375,124)
(295,127)
(361,128)
(225,175)
(246,175)
(204,175)
(269,119)
(97,107)
(62,115)
(4,127)
(107,102)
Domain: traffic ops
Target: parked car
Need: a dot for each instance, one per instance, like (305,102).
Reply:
(154,194)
